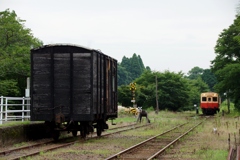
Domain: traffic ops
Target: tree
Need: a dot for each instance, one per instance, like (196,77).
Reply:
(195,72)
(230,83)
(145,94)
(123,75)
(136,68)
(15,43)
(195,88)
(206,75)
(124,95)
(227,63)
(209,78)
(172,90)
(142,68)
(130,69)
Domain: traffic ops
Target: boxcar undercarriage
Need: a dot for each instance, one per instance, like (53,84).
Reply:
(84,127)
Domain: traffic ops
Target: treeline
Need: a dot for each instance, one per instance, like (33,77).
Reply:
(173,91)
(130,68)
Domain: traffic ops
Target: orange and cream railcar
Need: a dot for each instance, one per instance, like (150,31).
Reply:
(210,102)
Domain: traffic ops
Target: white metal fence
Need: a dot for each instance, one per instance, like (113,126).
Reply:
(14,108)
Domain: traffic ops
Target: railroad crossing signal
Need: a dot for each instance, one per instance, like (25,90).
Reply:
(133,89)
(133,86)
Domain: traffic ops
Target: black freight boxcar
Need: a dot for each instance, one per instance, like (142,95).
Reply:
(73,88)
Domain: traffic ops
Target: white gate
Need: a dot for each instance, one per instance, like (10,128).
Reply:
(14,108)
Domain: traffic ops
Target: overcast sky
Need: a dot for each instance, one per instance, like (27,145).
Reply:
(174,35)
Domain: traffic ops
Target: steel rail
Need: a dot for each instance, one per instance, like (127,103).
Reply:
(141,143)
(174,141)
(5,152)
(37,152)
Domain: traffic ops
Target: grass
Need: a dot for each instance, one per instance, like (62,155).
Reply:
(20,144)
(212,154)
(17,123)
(14,123)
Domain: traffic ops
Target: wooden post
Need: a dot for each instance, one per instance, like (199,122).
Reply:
(229,141)
(235,140)
(239,136)
(228,104)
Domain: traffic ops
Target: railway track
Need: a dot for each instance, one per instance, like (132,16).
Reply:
(154,147)
(31,150)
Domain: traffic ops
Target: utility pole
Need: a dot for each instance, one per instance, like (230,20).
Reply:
(157,108)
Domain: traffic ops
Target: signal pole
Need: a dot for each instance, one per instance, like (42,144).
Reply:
(133,89)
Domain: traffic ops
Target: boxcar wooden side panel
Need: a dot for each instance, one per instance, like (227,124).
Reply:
(41,86)
(111,87)
(98,83)
(61,87)
(82,84)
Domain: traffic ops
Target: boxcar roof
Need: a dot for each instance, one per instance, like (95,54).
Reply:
(70,45)
(63,44)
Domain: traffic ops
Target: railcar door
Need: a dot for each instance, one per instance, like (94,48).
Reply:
(209,102)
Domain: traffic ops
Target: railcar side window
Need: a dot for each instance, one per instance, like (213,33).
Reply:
(204,99)
(214,99)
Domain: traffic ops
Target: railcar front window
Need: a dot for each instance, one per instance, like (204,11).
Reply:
(209,99)
(214,99)
(204,99)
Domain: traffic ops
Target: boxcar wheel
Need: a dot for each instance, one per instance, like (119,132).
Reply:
(83,134)
(99,129)
(74,133)
(55,135)
(83,130)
